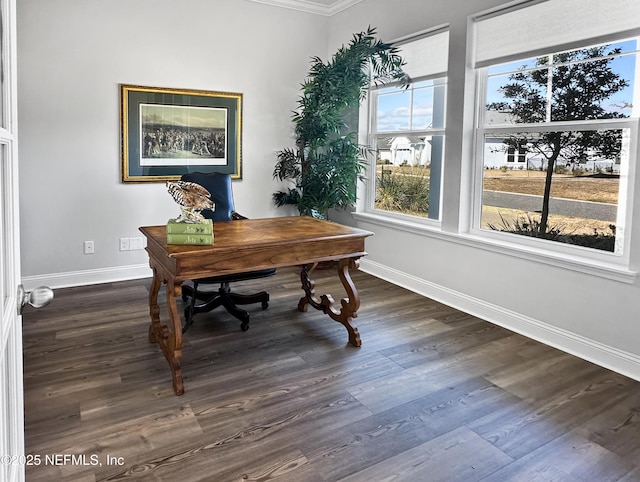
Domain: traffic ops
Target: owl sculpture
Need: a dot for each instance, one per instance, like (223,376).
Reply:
(192,199)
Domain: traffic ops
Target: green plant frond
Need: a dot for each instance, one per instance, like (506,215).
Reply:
(288,165)
(327,164)
(291,197)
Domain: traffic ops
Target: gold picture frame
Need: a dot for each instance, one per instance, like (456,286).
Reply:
(167,132)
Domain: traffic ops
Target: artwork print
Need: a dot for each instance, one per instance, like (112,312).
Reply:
(172,135)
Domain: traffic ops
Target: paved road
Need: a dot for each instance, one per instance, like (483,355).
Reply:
(562,207)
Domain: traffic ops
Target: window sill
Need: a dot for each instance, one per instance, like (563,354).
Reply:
(403,223)
(617,271)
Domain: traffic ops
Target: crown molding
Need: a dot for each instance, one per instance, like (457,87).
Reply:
(309,6)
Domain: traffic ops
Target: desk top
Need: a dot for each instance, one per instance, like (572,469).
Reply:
(257,244)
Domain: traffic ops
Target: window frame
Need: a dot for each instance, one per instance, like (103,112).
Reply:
(372,139)
(548,248)
(365,206)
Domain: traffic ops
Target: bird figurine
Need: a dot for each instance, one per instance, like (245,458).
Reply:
(192,198)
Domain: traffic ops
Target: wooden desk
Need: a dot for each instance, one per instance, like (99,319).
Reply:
(247,245)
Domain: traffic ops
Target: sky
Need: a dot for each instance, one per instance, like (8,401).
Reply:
(394,110)
(183,116)
(624,66)
(397,112)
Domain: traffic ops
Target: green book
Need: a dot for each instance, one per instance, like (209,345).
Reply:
(199,239)
(205,227)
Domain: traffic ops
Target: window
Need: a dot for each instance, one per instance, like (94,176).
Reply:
(559,182)
(407,132)
(516,154)
(556,131)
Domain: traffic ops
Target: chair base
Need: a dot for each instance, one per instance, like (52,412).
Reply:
(223,297)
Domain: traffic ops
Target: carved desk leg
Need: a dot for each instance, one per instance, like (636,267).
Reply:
(154,309)
(169,339)
(350,305)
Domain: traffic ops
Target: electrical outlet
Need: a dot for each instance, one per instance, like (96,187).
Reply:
(89,248)
(131,244)
(136,243)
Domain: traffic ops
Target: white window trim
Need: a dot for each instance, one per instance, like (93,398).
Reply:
(606,267)
(574,258)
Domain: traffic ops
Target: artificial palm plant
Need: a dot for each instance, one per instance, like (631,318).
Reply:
(327,161)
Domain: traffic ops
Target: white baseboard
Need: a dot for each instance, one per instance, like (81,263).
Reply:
(619,361)
(88,277)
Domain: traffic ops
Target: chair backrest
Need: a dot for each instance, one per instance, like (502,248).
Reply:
(219,186)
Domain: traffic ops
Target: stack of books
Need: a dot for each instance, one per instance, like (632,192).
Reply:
(190,233)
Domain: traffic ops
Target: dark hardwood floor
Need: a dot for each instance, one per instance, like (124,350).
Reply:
(433,394)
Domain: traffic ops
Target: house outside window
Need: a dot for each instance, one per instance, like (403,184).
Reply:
(556,135)
(406,133)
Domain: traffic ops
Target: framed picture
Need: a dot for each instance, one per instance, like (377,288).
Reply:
(170,132)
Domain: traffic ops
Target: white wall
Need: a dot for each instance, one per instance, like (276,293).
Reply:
(587,315)
(72,56)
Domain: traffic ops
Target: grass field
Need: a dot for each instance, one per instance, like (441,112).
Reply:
(583,188)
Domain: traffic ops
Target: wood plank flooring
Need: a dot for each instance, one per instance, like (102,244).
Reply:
(433,394)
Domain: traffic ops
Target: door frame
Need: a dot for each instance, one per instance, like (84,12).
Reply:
(12,450)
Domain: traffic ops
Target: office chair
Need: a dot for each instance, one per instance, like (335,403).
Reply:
(219,186)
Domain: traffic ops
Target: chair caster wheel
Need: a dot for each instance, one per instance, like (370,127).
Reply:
(265,305)
(244,326)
